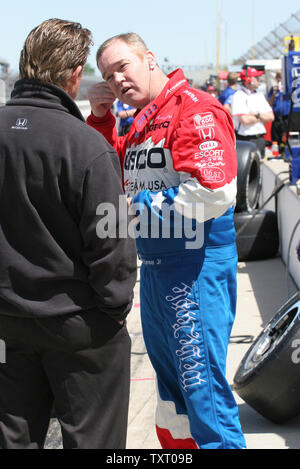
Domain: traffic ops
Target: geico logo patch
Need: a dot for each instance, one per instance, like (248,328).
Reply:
(145,158)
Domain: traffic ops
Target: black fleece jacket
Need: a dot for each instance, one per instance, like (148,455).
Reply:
(55,172)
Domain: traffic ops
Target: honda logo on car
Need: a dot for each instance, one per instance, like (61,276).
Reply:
(208,145)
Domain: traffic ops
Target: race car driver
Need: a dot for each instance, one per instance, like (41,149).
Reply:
(179,167)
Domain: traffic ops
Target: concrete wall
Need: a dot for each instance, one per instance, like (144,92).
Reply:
(287,203)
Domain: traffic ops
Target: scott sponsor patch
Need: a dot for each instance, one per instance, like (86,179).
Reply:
(209,163)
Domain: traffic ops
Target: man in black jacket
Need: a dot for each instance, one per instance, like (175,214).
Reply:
(66,277)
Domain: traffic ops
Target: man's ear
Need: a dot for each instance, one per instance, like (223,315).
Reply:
(151,59)
(77,73)
(73,84)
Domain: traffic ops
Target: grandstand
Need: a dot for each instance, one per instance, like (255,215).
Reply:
(275,44)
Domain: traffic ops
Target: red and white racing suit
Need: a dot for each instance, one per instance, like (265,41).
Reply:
(180,154)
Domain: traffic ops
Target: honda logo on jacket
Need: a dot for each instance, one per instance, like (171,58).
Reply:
(21,123)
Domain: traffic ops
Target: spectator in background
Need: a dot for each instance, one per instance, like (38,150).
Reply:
(281,108)
(292,44)
(125,114)
(212,90)
(251,111)
(232,81)
(228,103)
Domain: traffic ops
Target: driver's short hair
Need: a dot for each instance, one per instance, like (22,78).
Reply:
(131,39)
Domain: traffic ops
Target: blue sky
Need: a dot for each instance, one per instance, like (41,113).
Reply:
(182,31)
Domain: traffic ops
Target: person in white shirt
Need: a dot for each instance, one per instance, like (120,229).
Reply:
(250,110)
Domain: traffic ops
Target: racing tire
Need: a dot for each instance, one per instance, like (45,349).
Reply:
(268,377)
(260,238)
(248,176)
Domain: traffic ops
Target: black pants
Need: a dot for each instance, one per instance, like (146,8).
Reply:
(279,128)
(78,362)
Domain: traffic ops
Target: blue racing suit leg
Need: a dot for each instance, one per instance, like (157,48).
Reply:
(188,307)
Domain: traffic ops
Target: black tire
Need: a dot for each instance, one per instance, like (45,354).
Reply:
(248,176)
(268,377)
(260,238)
